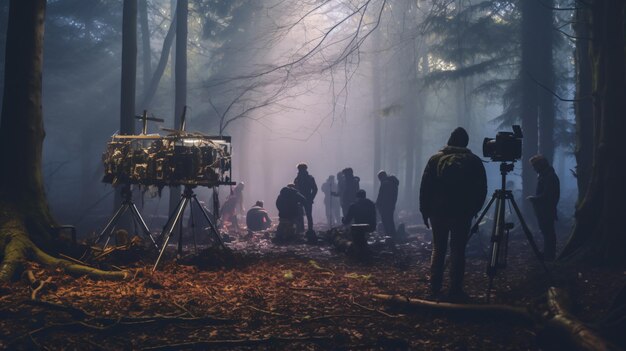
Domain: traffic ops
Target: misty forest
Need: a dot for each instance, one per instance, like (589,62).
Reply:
(313,174)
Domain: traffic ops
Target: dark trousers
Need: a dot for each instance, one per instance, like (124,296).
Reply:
(308,211)
(546,225)
(386,216)
(458,231)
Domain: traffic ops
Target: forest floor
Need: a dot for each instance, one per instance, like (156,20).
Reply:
(297,297)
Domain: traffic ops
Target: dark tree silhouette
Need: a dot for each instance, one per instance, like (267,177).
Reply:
(599,231)
(583,105)
(129,67)
(537,107)
(180,78)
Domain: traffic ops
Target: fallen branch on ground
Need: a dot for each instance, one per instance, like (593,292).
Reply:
(241,342)
(516,314)
(559,325)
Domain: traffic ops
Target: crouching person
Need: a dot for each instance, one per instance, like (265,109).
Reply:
(362,215)
(257,218)
(288,203)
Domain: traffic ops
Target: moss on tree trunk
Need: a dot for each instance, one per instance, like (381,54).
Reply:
(25,219)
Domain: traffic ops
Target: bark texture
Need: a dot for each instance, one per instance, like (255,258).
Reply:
(599,234)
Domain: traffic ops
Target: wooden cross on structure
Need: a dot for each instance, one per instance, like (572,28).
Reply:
(144,118)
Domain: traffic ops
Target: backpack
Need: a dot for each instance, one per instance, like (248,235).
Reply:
(452,176)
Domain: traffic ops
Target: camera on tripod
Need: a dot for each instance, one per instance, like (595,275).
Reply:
(505,147)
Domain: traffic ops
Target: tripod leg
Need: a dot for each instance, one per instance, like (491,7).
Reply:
(144,227)
(482,215)
(528,234)
(120,211)
(180,237)
(496,238)
(170,229)
(193,228)
(213,229)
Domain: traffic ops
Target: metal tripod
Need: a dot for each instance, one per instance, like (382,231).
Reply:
(187,198)
(500,232)
(127,204)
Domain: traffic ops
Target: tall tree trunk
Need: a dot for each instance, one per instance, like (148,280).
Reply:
(180,79)
(410,117)
(21,127)
(25,218)
(129,76)
(599,231)
(529,98)
(583,105)
(151,89)
(545,75)
(129,67)
(146,52)
(377,107)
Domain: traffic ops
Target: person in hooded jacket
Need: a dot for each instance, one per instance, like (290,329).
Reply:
(453,190)
(305,184)
(544,203)
(386,202)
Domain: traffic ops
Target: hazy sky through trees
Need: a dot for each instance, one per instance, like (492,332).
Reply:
(291,81)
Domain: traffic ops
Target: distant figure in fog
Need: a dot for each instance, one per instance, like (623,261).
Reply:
(341,184)
(544,203)
(330,204)
(386,202)
(453,190)
(348,189)
(362,211)
(233,206)
(257,218)
(305,184)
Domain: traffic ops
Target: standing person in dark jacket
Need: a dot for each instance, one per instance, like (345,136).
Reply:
(386,202)
(349,189)
(305,184)
(453,190)
(362,211)
(544,203)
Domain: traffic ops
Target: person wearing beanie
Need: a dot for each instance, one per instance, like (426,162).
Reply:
(386,203)
(452,191)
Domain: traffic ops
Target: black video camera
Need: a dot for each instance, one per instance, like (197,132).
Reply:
(505,147)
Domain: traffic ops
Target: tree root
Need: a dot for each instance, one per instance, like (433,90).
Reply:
(18,248)
(36,285)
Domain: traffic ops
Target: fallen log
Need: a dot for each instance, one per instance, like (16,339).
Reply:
(511,313)
(559,328)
